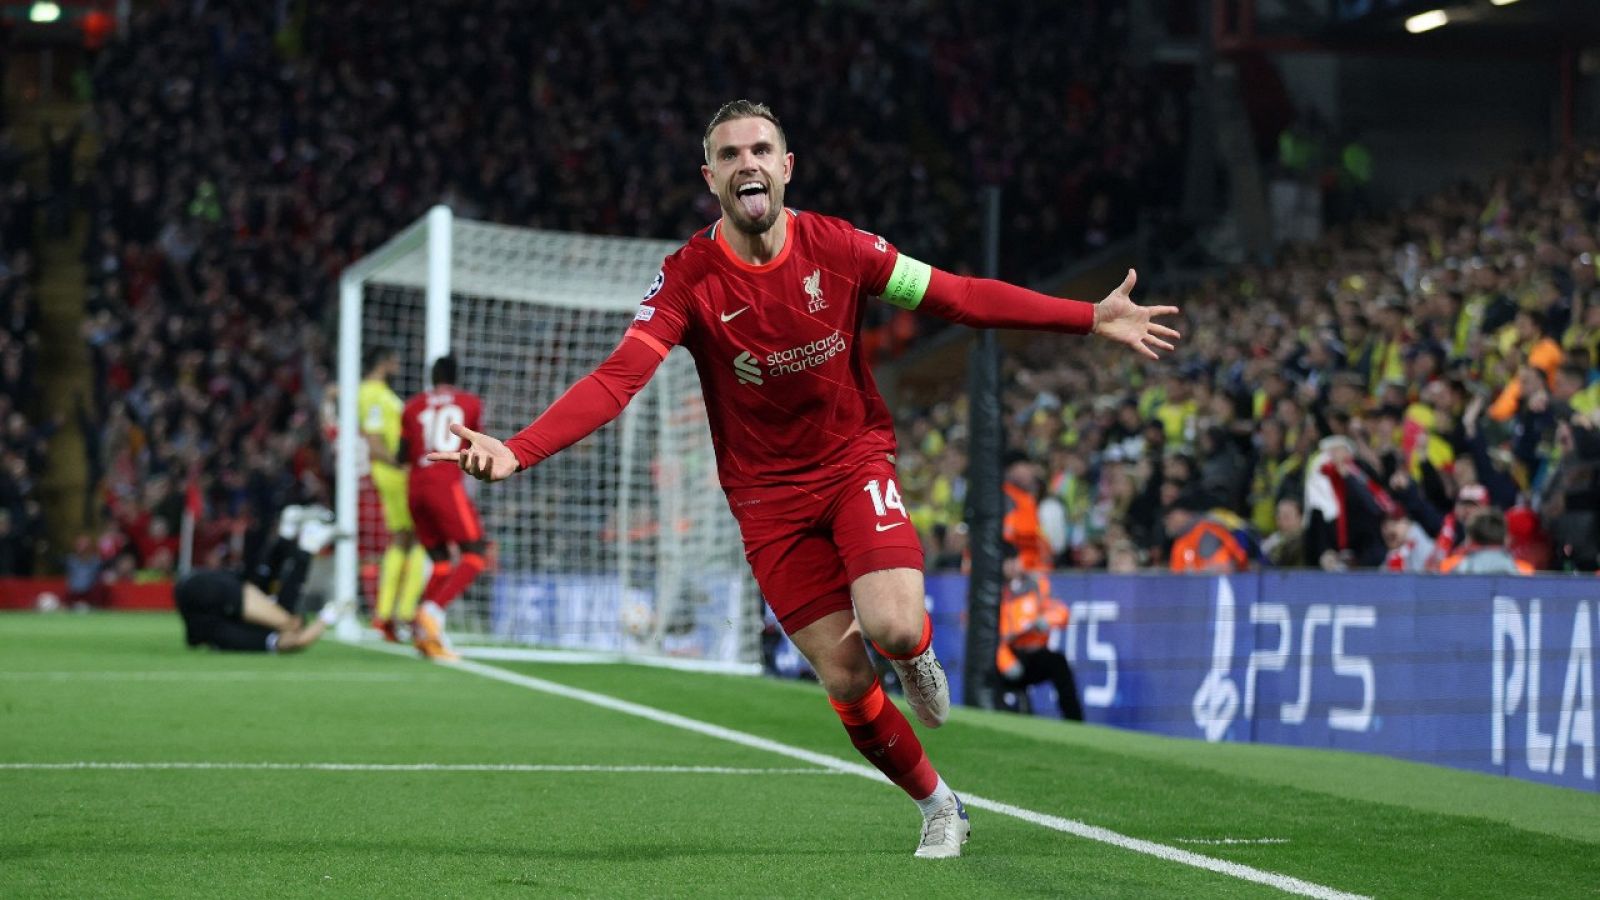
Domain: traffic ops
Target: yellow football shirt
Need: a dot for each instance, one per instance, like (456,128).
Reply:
(380,409)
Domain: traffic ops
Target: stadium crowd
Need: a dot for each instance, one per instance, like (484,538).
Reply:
(1359,404)
(24,437)
(245,160)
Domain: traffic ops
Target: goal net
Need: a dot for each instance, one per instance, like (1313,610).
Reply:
(621,544)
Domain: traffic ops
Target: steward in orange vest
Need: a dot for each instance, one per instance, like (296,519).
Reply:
(1217,541)
(1027,616)
(1485,552)
(1020,527)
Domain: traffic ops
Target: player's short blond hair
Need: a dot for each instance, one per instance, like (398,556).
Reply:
(741,109)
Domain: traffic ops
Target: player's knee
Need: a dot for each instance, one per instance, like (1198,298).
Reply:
(898,637)
(846,675)
(847,684)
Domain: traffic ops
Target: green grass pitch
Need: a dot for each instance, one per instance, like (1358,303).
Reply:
(123,689)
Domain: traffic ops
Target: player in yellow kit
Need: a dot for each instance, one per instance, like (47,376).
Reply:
(405,564)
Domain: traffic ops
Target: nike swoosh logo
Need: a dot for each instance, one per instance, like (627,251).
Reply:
(882,527)
(728,317)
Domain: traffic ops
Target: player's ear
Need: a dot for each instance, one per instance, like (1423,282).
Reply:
(711,183)
(788,167)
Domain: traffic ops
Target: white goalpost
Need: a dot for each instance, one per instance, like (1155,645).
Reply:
(622,545)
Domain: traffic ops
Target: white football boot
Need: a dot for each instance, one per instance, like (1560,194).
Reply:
(927,690)
(944,831)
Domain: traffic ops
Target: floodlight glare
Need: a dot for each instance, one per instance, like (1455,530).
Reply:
(43,11)
(1427,21)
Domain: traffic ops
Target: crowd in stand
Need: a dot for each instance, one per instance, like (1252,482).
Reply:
(24,435)
(1389,373)
(1417,392)
(246,159)
(1083,144)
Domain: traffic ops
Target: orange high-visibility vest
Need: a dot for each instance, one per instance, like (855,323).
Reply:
(1020,528)
(1209,547)
(1023,603)
(1455,559)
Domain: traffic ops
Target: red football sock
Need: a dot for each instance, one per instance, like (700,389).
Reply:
(881,733)
(471,564)
(922,644)
(441,573)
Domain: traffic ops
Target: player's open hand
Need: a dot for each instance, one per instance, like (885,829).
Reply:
(1117,317)
(484,458)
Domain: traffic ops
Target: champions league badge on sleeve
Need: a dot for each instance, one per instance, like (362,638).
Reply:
(646,313)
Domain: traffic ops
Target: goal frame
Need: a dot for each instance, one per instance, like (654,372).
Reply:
(434,231)
(424,258)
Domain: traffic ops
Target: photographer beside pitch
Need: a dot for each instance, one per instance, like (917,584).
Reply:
(768,301)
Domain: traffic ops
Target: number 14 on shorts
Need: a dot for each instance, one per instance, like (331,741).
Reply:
(885,496)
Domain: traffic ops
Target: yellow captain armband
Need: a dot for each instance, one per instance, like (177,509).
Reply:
(908,282)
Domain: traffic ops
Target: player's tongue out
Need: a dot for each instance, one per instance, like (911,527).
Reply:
(752,197)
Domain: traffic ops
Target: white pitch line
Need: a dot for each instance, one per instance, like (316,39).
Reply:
(1283,883)
(407,767)
(202,676)
(1232,840)
(505,653)
(590,657)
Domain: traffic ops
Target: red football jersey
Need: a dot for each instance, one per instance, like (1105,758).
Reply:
(787,384)
(425,427)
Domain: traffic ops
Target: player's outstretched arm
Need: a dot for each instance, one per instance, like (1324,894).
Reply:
(1119,319)
(987,303)
(482,456)
(594,400)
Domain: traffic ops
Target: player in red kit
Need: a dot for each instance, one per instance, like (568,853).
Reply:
(769,301)
(440,509)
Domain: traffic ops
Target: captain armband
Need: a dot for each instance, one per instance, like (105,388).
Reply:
(908,282)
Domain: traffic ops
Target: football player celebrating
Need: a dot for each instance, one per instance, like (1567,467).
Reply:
(768,300)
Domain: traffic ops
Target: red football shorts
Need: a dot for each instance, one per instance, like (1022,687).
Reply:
(442,514)
(806,545)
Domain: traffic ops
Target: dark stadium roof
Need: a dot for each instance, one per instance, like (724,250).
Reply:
(1526,27)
